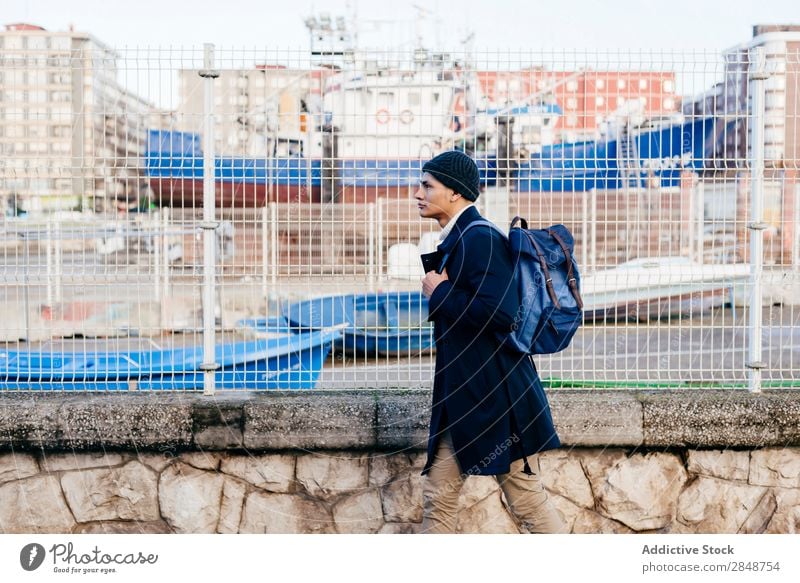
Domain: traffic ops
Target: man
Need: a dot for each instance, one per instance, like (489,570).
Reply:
(490,415)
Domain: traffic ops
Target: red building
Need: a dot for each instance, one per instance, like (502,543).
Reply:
(587,98)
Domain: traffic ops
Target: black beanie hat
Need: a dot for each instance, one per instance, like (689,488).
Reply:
(456,170)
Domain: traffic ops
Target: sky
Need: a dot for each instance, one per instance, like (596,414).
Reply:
(496,24)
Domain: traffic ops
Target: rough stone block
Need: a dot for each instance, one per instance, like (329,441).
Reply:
(17,466)
(388,467)
(724,464)
(60,462)
(642,491)
(786,519)
(230,512)
(328,475)
(402,500)
(775,467)
(121,493)
(272,472)
(713,506)
(190,498)
(563,474)
(34,505)
(359,514)
(266,513)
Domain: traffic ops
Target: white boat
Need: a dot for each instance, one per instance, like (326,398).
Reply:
(659,287)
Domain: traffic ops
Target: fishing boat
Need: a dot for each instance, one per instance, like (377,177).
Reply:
(392,323)
(285,361)
(633,159)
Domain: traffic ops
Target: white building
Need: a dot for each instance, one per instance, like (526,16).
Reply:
(71,137)
(260,111)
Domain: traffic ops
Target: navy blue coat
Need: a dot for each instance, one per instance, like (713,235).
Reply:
(489,397)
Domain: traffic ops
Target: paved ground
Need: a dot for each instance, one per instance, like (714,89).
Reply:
(702,349)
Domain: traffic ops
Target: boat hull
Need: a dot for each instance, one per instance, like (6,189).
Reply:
(392,323)
(291,361)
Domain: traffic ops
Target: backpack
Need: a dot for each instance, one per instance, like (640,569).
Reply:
(547,278)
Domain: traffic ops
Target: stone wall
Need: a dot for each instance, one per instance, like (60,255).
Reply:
(349,462)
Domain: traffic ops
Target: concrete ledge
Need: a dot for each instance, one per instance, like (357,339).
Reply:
(717,418)
(383,419)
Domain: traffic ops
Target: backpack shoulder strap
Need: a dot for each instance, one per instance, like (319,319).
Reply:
(478,223)
(548,279)
(571,281)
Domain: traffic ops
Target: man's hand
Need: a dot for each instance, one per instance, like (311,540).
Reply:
(431,280)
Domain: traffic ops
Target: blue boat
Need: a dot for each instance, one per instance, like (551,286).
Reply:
(391,323)
(288,361)
(175,163)
(661,153)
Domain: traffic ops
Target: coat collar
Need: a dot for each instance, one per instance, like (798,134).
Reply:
(469,215)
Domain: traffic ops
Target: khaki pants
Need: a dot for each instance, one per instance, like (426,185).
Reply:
(525,494)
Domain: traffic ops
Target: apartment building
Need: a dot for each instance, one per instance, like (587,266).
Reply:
(71,136)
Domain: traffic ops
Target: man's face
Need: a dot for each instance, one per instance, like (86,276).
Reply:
(434,199)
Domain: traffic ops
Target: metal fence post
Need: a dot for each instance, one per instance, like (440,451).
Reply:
(57,260)
(700,212)
(264,251)
(209,224)
(756,225)
(273,241)
(585,229)
(156,257)
(25,284)
(380,239)
(165,291)
(796,237)
(49,259)
(371,245)
(593,230)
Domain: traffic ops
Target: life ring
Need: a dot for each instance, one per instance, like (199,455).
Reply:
(382,116)
(406,116)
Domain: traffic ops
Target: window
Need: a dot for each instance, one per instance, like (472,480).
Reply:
(572,120)
(621,84)
(669,86)
(572,103)
(572,85)
(669,103)
(642,84)
(601,84)
(385,100)
(60,43)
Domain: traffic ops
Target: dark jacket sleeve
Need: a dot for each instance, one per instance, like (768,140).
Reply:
(485,294)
